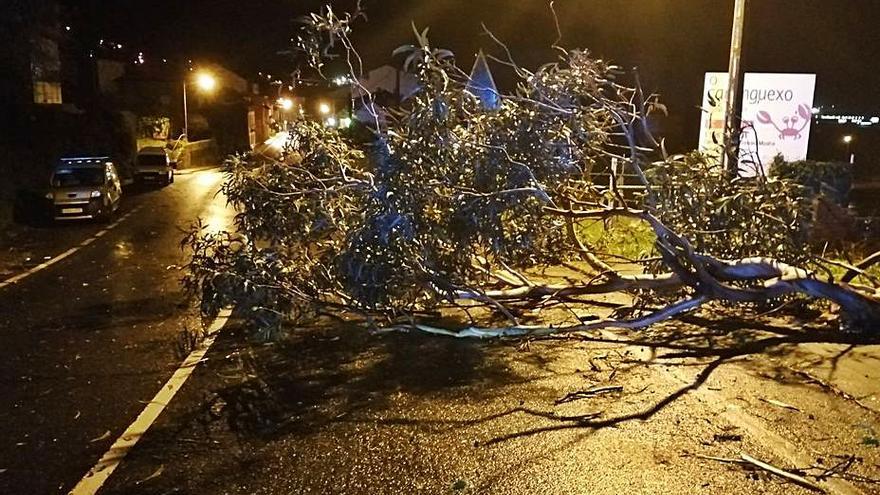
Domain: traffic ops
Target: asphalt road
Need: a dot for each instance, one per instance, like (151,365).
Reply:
(86,341)
(334,410)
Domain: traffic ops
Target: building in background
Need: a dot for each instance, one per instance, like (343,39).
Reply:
(32,71)
(481,84)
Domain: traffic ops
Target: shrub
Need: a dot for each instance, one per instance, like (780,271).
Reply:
(732,217)
(830,179)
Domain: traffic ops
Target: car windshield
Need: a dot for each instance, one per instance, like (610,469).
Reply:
(151,160)
(78,177)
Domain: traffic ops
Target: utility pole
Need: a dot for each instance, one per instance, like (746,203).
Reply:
(731,130)
(185,116)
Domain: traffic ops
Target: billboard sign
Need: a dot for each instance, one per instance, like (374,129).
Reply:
(712,120)
(776,116)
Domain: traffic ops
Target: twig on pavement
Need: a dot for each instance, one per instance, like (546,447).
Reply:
(725,460)
(800,480)
(586,394)
(780,404)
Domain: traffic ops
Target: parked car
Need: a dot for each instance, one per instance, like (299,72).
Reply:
(84,187)
(153,164)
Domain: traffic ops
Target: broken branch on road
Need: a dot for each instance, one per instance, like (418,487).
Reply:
(456,206)
(800,480)
(586,394)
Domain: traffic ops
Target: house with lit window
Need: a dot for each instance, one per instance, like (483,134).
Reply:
(31,72)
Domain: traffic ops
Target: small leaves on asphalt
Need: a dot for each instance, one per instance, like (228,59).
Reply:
(727,437)
(781,404)
(105,436)
(156,474)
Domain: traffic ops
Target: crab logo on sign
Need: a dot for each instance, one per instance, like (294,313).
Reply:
(789,129)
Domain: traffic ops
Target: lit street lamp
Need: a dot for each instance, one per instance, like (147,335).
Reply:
(285,103)
(205,82)
(847,140)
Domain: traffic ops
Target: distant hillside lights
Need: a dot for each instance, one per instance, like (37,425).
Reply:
(844,119)
(859,120)
(342,80)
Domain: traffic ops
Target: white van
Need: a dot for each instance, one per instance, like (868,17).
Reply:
(153,164)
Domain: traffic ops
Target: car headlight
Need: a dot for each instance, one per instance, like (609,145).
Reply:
(95,194)
(50,195)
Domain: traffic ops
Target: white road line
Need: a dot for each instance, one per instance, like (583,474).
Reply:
(41,266)
(65,254)
(97,476)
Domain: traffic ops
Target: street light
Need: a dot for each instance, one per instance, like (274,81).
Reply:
(285,103)
(205,82)
(847,139)
(323,108)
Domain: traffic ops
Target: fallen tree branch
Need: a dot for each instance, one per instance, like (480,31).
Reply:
(586,394)
(726,460)
(537,330)
(451,190)
(800,480)
(711,277)
(472,332)
(648,320)
(861,266)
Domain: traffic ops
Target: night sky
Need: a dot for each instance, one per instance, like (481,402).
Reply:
(673,42)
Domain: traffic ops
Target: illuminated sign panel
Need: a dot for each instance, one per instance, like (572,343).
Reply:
(712,120)
(776,116)
(776,113)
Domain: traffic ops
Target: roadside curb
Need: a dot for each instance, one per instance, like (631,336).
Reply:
(190,171)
